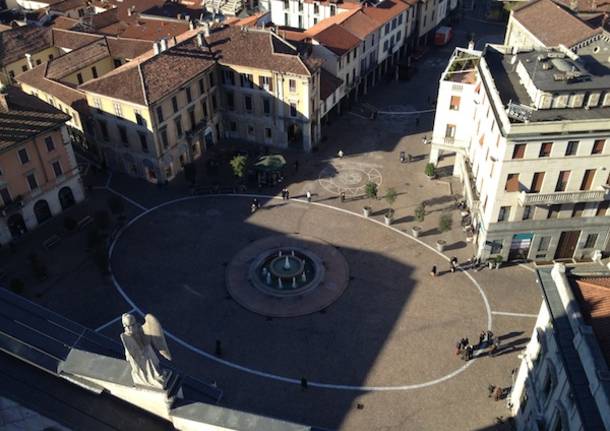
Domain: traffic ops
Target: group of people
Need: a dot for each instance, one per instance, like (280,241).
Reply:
(465,350)
(453,265)
(254,205)
(285,194)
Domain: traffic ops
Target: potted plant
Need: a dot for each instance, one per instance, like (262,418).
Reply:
(491,262)
(430,170)
(440,245)
(390,198)
(370,190)
(420,213)
(366,211)
(416,231)
(498,261)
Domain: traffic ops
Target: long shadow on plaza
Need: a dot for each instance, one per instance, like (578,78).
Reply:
(179,275)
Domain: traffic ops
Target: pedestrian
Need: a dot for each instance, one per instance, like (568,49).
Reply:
(498,393)
(255,203)
(284,194)
(453,262)
(489,336)
(433,271)
(287,194)
(340,154)
(481,340)
(253,208)
(296,166)
(308,196)
(494,348)
(342,196)
(458,348)
(469,351)
(425,140)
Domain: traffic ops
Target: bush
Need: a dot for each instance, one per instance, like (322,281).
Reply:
(390,196)
(116,205)
(102,219)
(16,285)
(444,223)
(238,165)
(420,213)
(430,170)
(69,223)
(370,189)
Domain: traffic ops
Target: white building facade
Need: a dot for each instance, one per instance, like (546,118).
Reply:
(529,134)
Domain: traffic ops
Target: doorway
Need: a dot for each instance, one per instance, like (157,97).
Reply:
(567,244)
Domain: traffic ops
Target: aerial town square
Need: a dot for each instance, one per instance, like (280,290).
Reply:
(282,215)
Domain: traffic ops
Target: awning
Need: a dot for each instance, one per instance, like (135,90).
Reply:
(270,163)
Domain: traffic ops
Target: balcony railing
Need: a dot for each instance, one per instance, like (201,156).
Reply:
(562,197)
(450,144)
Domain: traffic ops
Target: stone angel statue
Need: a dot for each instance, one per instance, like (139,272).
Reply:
(141,342)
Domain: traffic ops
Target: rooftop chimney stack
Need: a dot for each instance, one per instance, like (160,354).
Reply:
(28,58)
(157,47)
(471,45)
(163,43)
(201,42)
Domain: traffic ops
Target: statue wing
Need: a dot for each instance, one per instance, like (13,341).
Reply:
(153,329)
(131,347)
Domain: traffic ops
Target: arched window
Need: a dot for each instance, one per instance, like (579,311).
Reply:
(66,198)
(42,211)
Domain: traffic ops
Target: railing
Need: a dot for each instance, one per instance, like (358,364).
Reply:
(562,197)
(451,144)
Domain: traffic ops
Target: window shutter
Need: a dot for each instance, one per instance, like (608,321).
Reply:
(537,182)
(587,179)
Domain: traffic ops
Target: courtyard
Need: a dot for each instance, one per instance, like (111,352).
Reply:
(380,354)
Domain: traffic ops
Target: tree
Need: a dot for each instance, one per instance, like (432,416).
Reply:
(430,170)
(420,213)
(390,198)
(238,164)
(190,172)
(444,223)
(370,190)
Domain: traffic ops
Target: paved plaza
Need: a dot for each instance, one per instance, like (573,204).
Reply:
(380,355)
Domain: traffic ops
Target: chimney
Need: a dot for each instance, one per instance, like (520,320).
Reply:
(206,29)
(163,43)
(28,58)
(471,45)
(3,98)
(192,25)
(174,41)
(201,42)
(157,47)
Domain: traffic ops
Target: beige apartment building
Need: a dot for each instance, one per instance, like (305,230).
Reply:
(39,177)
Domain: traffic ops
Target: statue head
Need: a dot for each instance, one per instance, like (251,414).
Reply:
(129,324)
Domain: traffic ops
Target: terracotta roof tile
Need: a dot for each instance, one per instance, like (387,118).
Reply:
(67,5)
(75,60)
(15,43)
(27,116)
(552,24)
(325,23)
(69,39)
(337,39)
(64,23)
(386,10)
(360,24)
(36,78)
(594,296)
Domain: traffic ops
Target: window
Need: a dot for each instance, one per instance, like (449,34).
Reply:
(250,130)
(214,103)
(178,124)
(118,109)
(537,181)
(544,243)
(266,106)
(450,131)
(400,19)
(175,104)
(578,210)
(23,156)
(164,141)
(549,382)
(398,36)
(94,71)
(104,130)
(386,29)
(572,148)
(332,10)
(212,79)
(189,96)
(316,8)
(5,196)
(292,85)
(554,211)
(545,149)
(201,87)
(248,103)
(204,108)
(454,105)
(57,169)
(503,214)
(598,146)
(11,74)
(143,141)
(265,82)
(117,63)
(230,101)
(286,19)
(300,9)
(587,179)
(496,246)
(293,109)
(246,80)
(192,118)
(527,212)
(49,143)
(512,183)
(591,240)
(385,46)
(79,77)
(25,68)
(51,57)
(562,181)
(31,178)
(139,119)
(123,135)
(602,209)
(519,151)
(267,133)
(228,77)
(394,23)
(160,113)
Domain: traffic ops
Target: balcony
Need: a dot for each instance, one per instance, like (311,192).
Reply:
(562,197)
(450,144)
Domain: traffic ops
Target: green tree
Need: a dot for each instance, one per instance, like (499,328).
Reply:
(420,213)
(238,165)
(370,190)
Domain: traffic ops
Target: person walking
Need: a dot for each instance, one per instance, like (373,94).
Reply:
(252,208)
(453,262)
(287,194)
(284,193)
(340,154)
(433,271)
(308,194)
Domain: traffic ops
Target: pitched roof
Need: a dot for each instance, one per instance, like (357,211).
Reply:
(551,24)
(594,296)
(360,24)
(337,39)
(328,84)
(17,42)
(386,10)
(73,61)
(27,116)
(64,22)
(587,5)
(327,22)
(68,39)
(67,5)
(35,78)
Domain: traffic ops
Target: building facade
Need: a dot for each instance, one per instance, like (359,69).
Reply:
(39,177)
(529,131)
(563,380)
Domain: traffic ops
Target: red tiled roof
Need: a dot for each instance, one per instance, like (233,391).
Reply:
(551,24)
(64,23)
(586,5)
(69,39)
(360,24)
(67,5)
(17,42)
(386,10)
(594,296)
(36,78)
(337,39)
(69,63)
(145,29)
(325,23)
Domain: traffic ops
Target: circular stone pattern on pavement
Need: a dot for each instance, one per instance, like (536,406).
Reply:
(348,178)
(331,278)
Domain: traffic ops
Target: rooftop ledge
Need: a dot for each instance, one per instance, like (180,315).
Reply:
(562,197)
